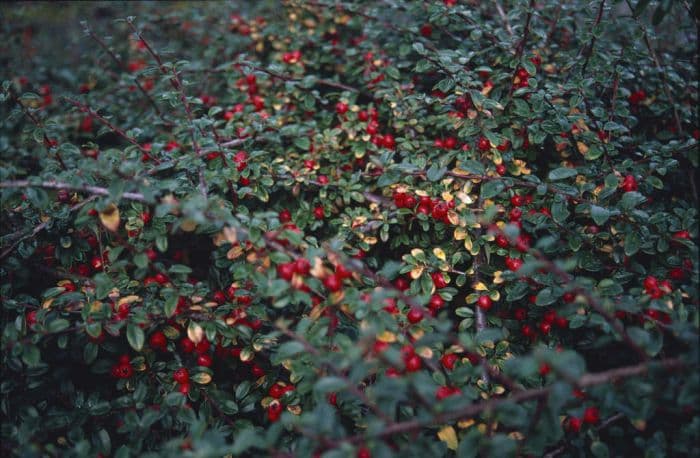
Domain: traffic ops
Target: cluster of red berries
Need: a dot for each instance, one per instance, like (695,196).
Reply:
(521,77)
(656,289)
(446,143)
(123,368)
(438,209)
(446,391)
(591,416)
(637,96)
(275,408)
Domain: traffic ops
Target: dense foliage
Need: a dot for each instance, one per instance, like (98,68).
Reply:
(327,228)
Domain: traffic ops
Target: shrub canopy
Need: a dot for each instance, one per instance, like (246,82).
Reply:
(315,228)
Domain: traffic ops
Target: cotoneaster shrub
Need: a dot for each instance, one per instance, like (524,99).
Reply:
(386,228)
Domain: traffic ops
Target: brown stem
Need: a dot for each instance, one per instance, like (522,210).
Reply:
(41,227)
(96,190)
(590,379)
(122,66)
(591,45)
(86,109)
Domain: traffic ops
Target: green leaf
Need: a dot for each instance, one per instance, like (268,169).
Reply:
(289,349)
(329,384)
(632,243)
(58,325)
(135,336)
(599,214)
(434,173)
(491,189)
(545,297)
(562,173)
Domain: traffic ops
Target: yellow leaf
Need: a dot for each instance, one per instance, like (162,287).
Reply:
(439,253)
(246,354)
(195,333)
(481,287)
(110,218)
(448,435)
(468,244)
(188,225)
(202,378)
(296,410)
(497,279)
(416,252)
(582,148)
(387,337)
(466,423)
(452,217)
(460,233)
(416,272)
(128,300)
(234,252)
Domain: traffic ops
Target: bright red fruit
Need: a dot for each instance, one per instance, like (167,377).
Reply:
(413,363)
(204,360)
(158,341)
(274,410)
(181,375)
(333,283)
(286,271)
(319,213)
(341,108)
(415,315)
(484,303)
(448,360)
(483,144)
(438,280)
(591,415)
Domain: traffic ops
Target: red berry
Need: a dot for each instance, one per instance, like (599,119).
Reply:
(650,283)
(203,346)
(286,271)
(544,369)
(629,184)
(426,30)
(187,345)
(484,303)
(573,424)
(483,144)
(302,266)
(591,415)
(436,302)
(438,280)
(181,375)
(414,315)
(274,410)
(685,235)
(158,341)
(219,297)
(341,108)
(413,363)
(448,360)
(285,216)
(319,213)
(517,200)
(204,360)
(333,283)
(363,452)
(446,391)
